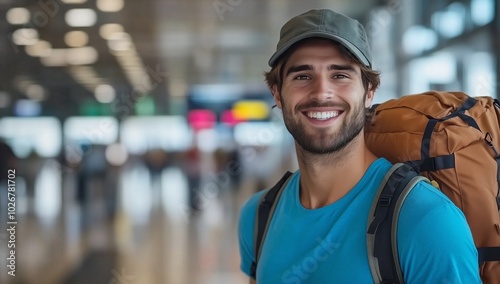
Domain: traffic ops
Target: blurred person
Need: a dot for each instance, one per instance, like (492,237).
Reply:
(322,79)
(235,168)
(156,161)
(111,189)
(220,174)
(228,169)
(30,168)
(221,159)
(191,165)
(91,181)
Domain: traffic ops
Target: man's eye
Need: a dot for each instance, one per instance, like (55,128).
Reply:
(301,77)
(339,76)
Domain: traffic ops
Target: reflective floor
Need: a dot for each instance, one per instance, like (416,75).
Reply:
(142,232)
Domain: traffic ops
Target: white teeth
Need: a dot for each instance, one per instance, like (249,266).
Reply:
(322,115)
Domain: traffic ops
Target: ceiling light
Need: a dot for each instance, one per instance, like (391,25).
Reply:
(4,99)
(35,92)
(25,36)
(120,42)
(18,16)
(116,154)
(129,60)
(110,5)
(57,57)
(177,41)
(76,38)
(81,17)
(84,72)
(87,76)
(107,30)
(124,54)
(418,39)
(482,11)
(73,1)
(81,55)
(39,49)
(235,38)
(105,93)
(22,82)
(177,88)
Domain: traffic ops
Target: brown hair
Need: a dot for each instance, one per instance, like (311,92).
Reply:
(369,77)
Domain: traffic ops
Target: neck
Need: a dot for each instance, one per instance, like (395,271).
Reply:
(325,178)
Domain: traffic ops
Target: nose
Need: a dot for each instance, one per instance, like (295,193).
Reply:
(322,88)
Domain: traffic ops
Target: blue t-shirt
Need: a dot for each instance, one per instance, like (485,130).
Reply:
(328,244)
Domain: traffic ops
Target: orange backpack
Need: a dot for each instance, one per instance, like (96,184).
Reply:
(454,140)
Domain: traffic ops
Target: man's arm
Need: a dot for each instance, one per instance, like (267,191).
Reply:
(435,241)
(252,281)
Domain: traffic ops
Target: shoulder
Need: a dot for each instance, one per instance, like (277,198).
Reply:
(425,198)
(249,208)
(434,239)
(427,206)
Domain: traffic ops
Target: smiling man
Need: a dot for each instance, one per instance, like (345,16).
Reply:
(322,79)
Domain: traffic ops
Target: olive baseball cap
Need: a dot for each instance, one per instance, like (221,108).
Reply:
(325,24)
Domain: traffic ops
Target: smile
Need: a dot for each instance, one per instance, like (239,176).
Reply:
(323,115)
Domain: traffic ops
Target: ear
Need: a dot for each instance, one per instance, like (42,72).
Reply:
(276,95)
(369,98)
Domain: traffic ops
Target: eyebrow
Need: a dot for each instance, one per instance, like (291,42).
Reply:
(346,67)
(298,68)
(305,67)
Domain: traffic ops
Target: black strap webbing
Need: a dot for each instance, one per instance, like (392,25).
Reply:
(488,139)
(488,254)
(381,226)
(264,216)
(436,163)
(425,158)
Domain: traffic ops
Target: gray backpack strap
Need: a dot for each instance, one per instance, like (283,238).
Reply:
(382,225)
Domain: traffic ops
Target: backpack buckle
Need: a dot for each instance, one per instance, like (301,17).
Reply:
(385,200)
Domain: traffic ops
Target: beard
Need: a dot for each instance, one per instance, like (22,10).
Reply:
(324,141)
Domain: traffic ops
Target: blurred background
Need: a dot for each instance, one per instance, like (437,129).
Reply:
(137,129)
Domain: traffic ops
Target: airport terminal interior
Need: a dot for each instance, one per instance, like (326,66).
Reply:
(133,131)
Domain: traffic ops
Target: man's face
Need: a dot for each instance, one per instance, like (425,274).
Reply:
(322,97)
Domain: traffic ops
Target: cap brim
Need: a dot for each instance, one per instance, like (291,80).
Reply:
(340,40)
